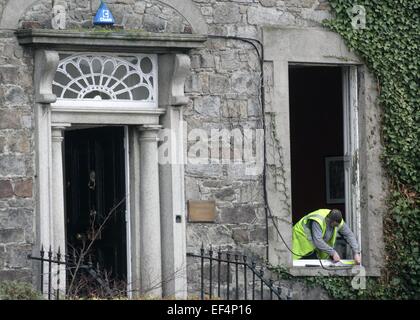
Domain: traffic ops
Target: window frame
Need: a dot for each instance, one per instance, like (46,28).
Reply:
(319,46)
(351,165)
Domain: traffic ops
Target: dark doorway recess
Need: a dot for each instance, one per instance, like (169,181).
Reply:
(316,134)
(95,184)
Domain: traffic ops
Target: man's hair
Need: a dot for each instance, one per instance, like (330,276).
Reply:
(335,215)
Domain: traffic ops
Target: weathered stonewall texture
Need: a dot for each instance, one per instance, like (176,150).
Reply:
(145,15)
(224,92)
(16,159)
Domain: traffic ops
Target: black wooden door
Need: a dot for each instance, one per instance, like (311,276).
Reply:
(95,185)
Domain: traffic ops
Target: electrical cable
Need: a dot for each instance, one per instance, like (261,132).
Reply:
(252,42)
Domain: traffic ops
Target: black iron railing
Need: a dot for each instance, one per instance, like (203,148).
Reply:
(52,261)
(235,277)
(51,273)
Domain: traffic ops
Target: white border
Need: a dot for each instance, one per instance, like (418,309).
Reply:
(127,210)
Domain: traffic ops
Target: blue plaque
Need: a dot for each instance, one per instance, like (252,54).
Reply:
(103,16)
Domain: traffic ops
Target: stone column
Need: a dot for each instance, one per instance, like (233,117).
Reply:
(150,243)
(173,70)
(58,240)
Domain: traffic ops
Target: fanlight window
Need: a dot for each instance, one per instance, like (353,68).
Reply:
(106,77)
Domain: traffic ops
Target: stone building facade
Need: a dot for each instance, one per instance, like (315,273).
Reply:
(211,56)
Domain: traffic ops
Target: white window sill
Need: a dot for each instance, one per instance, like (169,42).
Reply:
(312,267)
(326,263)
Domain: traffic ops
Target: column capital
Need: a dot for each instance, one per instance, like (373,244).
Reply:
(149,127)
(60,127)
(57,135)
(57,131)
(149,132)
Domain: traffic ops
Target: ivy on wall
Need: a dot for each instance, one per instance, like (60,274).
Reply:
(385,34)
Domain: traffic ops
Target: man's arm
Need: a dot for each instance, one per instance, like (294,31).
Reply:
(319,241)
(348,235)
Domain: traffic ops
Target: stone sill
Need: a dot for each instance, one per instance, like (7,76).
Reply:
(319,271)
(135,41)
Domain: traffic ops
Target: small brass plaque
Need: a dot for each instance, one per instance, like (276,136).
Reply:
(201,210)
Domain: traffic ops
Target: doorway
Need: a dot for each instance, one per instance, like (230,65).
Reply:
(95,192)
(317,141)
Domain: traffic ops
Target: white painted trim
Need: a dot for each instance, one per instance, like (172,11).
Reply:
(171,175)
(326,263)
(351,149)
(128,210)
(347,147)
(355,142)
(114,106)
(106,116)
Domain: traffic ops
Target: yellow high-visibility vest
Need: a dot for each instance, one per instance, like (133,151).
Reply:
(302,235)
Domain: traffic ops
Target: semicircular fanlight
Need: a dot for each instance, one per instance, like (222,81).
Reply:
(106,77)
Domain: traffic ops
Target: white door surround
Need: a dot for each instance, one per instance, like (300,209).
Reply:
(155,256)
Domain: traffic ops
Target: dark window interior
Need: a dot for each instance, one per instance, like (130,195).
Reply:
(316,132)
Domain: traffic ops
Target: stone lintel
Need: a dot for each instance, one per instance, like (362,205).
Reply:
(128,41)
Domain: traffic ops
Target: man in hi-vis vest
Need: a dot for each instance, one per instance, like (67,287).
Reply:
(314,236)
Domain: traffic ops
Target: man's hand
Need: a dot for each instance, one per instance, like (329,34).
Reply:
(336,257)
(357,258)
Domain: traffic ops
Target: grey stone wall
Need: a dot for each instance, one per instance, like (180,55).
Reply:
(16,159)
(224,89)
(246,17)
(224,92)
(149,16)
